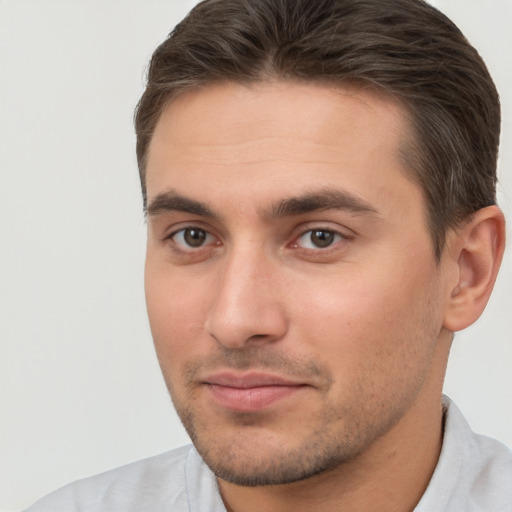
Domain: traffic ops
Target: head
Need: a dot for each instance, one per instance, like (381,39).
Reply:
(403,48)
(317,178)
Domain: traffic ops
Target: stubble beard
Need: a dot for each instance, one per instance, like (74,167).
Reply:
(340,436)
(245,465)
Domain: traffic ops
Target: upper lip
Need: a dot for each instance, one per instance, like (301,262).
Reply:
(249,380)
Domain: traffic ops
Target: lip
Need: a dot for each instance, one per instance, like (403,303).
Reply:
(250,392)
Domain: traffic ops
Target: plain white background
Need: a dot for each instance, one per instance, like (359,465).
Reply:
(80,389)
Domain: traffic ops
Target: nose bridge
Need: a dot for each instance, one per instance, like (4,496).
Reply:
(246,305)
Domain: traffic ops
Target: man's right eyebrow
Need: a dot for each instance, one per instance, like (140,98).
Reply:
(171,201)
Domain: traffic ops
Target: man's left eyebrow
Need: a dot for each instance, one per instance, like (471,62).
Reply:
(319,201)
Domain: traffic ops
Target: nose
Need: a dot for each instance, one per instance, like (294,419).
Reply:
(246,307)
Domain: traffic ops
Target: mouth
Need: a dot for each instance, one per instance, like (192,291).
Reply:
(250,392)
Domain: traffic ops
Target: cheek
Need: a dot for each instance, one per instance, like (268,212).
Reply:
(371,319)
(176,311)
(375,342)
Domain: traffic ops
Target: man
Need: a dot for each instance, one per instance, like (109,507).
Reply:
(319,183)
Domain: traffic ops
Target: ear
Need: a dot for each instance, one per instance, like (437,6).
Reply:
(477,250)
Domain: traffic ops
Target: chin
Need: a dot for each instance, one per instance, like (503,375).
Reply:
(279,468)
(253,458)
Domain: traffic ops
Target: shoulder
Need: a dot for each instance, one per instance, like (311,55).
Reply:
(473,474)
(493,482)
(148,485)
(485,464)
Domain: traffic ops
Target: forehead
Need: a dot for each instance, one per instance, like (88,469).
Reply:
(301,110)
(279,138)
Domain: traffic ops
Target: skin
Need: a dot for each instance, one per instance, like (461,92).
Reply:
(339,295)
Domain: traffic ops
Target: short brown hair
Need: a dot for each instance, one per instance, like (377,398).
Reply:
(406,48)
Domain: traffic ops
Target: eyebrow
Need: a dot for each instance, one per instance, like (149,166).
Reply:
(171,201)
(326,199)
(321,200)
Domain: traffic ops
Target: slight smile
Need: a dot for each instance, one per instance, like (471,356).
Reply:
(250,392)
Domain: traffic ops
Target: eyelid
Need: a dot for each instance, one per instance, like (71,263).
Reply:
(176,227)
(343,231)
(337,237)
(169,238)
(345,234)
(183,232)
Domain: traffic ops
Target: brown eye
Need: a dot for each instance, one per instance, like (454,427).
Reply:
(322,238)
(192,238)
(318,239)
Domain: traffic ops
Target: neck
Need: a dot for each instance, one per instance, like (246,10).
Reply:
(395,471)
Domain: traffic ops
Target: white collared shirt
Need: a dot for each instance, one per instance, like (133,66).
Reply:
(473,474)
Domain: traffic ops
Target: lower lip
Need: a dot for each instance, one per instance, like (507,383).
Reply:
(251,399)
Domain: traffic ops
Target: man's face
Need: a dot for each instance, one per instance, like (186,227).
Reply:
(293,296)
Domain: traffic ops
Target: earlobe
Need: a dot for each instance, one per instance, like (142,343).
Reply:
(477,248)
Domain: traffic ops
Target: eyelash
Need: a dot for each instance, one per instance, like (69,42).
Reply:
(332,238)
(181,233)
